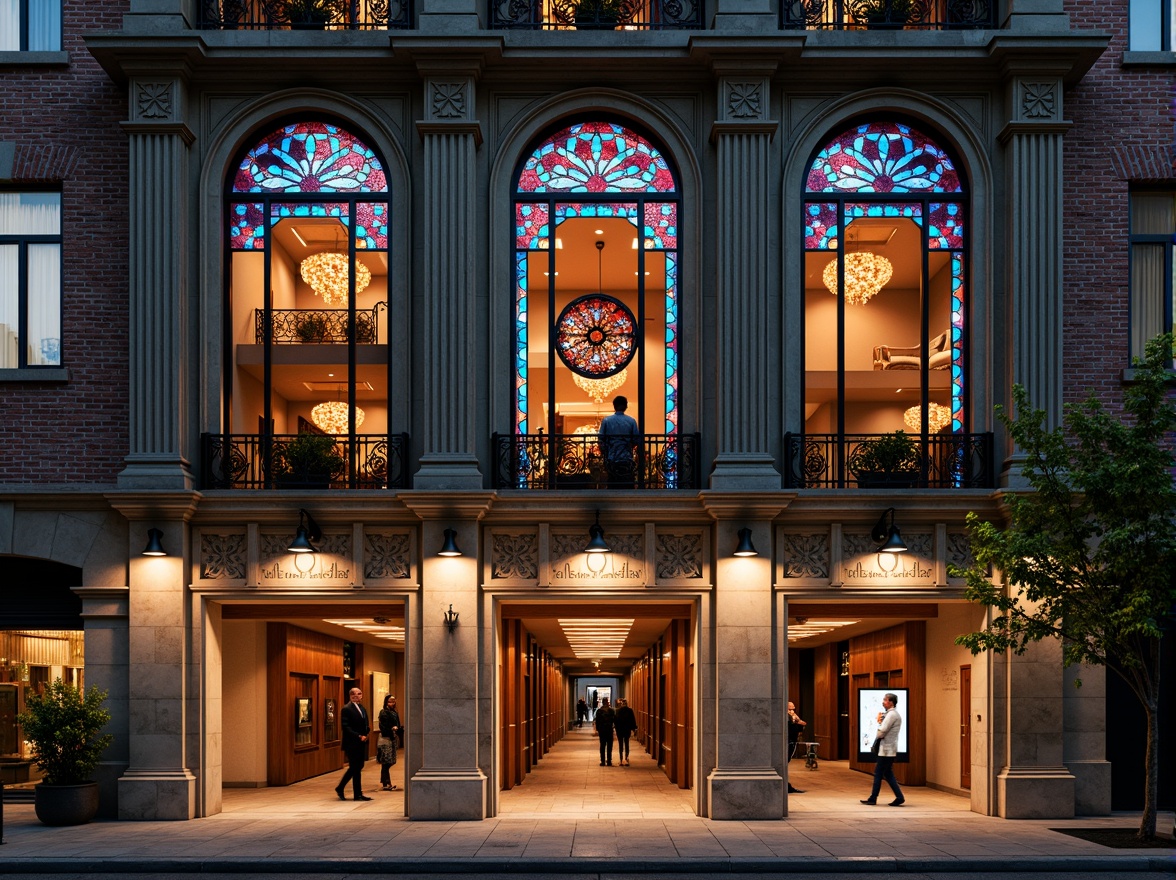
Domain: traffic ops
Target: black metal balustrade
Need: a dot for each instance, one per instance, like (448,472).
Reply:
(597,14)
(940,461)
(573,461)
(330,15)
(260,461)
(887,14)
(315,326)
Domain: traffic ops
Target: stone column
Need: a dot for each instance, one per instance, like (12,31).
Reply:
(158,287)
(444,727)
(1033,155)
(747,781)
(449,240)
(158,783)
(744,294)
(1084,742)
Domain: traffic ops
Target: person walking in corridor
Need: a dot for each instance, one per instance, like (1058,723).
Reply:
(626,726)
(356,728)
(581,712)
(889,724)
(606,717)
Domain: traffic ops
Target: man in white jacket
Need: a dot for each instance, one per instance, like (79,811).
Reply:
(889,724)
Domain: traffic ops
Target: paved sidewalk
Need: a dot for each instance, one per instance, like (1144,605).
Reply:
(572,816)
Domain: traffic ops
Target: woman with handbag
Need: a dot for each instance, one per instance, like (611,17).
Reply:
(386,745)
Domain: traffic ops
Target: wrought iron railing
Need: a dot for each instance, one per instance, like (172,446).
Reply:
(597,15)
(264,461)
(574,461)
(316,326)
(939,461)
(331,15)
(887,14)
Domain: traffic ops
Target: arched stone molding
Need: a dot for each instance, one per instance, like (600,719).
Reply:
(508,150)
(91,538)
(988,358)
(215,164)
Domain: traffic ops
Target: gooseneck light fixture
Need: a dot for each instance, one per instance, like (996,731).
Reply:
(154,543)
(885,534)
(449,545)
(596,542)
(745,548)
(451,618)
(308,531)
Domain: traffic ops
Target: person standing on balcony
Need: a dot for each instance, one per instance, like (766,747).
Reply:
(619,436)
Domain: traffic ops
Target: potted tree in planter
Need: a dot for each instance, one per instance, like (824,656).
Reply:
(886,14)
(887,462)
(64,728)
(309,461)
(311,328)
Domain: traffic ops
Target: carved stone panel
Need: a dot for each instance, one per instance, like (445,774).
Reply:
(387,556)
(625,565)
(862,564)
(514,556)
(223,556)
(805,556)
(679,556)
(332,566)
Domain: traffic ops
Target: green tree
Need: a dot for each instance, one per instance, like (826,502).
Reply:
(1089,553)
(64,727)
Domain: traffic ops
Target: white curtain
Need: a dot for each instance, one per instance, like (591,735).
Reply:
(9,25)
(9,306)
(30,213)
(44,25)
(1151,214)
(44,345)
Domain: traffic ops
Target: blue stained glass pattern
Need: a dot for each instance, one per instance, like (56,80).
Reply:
(521,341)
(247,226)
(821,226)
(909,210)
(957,342)
(883,157)
(596,157)
(947,225)
(671,343)
(310,157)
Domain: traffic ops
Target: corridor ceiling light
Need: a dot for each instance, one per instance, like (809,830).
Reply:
(745,548)
(154,543)
(600,389)
(810,628)
(886,536)
(308,531)
(601,638)
(327,275)
(865,275)
(332,416)
(596,542)
(449,545)
(370,627)
(938,418)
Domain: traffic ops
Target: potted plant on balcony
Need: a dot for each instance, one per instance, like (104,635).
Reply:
(886,14)
(309,461)
(599,14)
(311,328)
(887,462)
(63,726)
(311,14)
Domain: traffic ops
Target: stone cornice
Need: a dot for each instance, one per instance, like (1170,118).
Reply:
(137,505)
(728,505)
(439,126)
(457,505)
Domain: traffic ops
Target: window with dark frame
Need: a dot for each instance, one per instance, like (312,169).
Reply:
(30,279)
(1153,228)
(30,25)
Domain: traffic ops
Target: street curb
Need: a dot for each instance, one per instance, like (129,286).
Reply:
(583,867)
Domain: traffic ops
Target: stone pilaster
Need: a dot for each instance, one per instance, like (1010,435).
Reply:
(158,783)
(1084,746)
(747,781)
(451,138)
(157,279)
(1033,156)
(742,137)
(445,726)
(744,16)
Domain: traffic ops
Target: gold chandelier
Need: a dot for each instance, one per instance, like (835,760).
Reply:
(599,389)
(938,416)
(865,275)
(332,417)
(327,274)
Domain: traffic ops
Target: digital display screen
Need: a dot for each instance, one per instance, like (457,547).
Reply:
(869,708)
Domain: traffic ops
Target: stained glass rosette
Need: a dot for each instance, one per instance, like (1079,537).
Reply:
(596,157)
(310,157)
(883,157)
(596,336)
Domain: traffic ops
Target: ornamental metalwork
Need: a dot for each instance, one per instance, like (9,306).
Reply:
(310,157)
(943,461)
(515,557)
(596,157)
(626,15)
(222,556)
(805,556)
(573,461)
(887,15)
(679,556)
(387,555)
(340,15)
(883,157)
(259,461)
(316,326)
(596,336)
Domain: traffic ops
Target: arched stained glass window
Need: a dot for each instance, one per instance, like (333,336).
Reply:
(883,157)
(310,157)
(596,157)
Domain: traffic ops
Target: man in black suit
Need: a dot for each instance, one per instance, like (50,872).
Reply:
(356,727)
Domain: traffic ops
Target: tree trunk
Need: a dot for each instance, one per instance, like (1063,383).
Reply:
(1151,765)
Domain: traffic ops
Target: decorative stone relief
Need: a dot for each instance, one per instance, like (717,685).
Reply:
(861,563)
(626,562)
(333,564)
(387,556)
(222,556)
(806,556)
(679,556)
(565,545)
(959,550)
(1038,100)
(448,100)
(744,100)
(154,100)
(515,556)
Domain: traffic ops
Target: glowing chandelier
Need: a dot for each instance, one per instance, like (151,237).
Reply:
(332,417)
(599,389)
(327,276)
(938,416)
(865,275)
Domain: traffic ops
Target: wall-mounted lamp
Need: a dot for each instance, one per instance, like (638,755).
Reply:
(745,548)
(596,542)
(308,530)
(154,543)
(886,535)
(449,545)
(451,618)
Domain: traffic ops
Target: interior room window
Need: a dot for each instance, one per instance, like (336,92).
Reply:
(1153,228)
(30,279)
(1151,25)
(30,25)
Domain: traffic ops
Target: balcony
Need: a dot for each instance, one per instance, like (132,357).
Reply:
(573,461)
(596,15)
(261,461)
(316,326)
(933,15)
(281,15)
(940,461)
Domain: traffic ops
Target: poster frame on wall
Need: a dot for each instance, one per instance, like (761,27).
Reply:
(869,704)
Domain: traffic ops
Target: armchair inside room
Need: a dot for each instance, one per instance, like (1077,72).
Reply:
(896,357)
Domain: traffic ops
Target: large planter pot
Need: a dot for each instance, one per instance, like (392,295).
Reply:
(66,804)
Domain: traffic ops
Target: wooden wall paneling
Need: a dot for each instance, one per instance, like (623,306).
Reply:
(823,723)
(681,659)
(915,678)
(508,745)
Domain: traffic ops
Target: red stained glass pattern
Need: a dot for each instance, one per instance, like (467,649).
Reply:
(310,157)
(596,157)
(596,336)
(883,157)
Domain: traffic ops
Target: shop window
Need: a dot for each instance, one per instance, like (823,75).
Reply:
(30,279)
